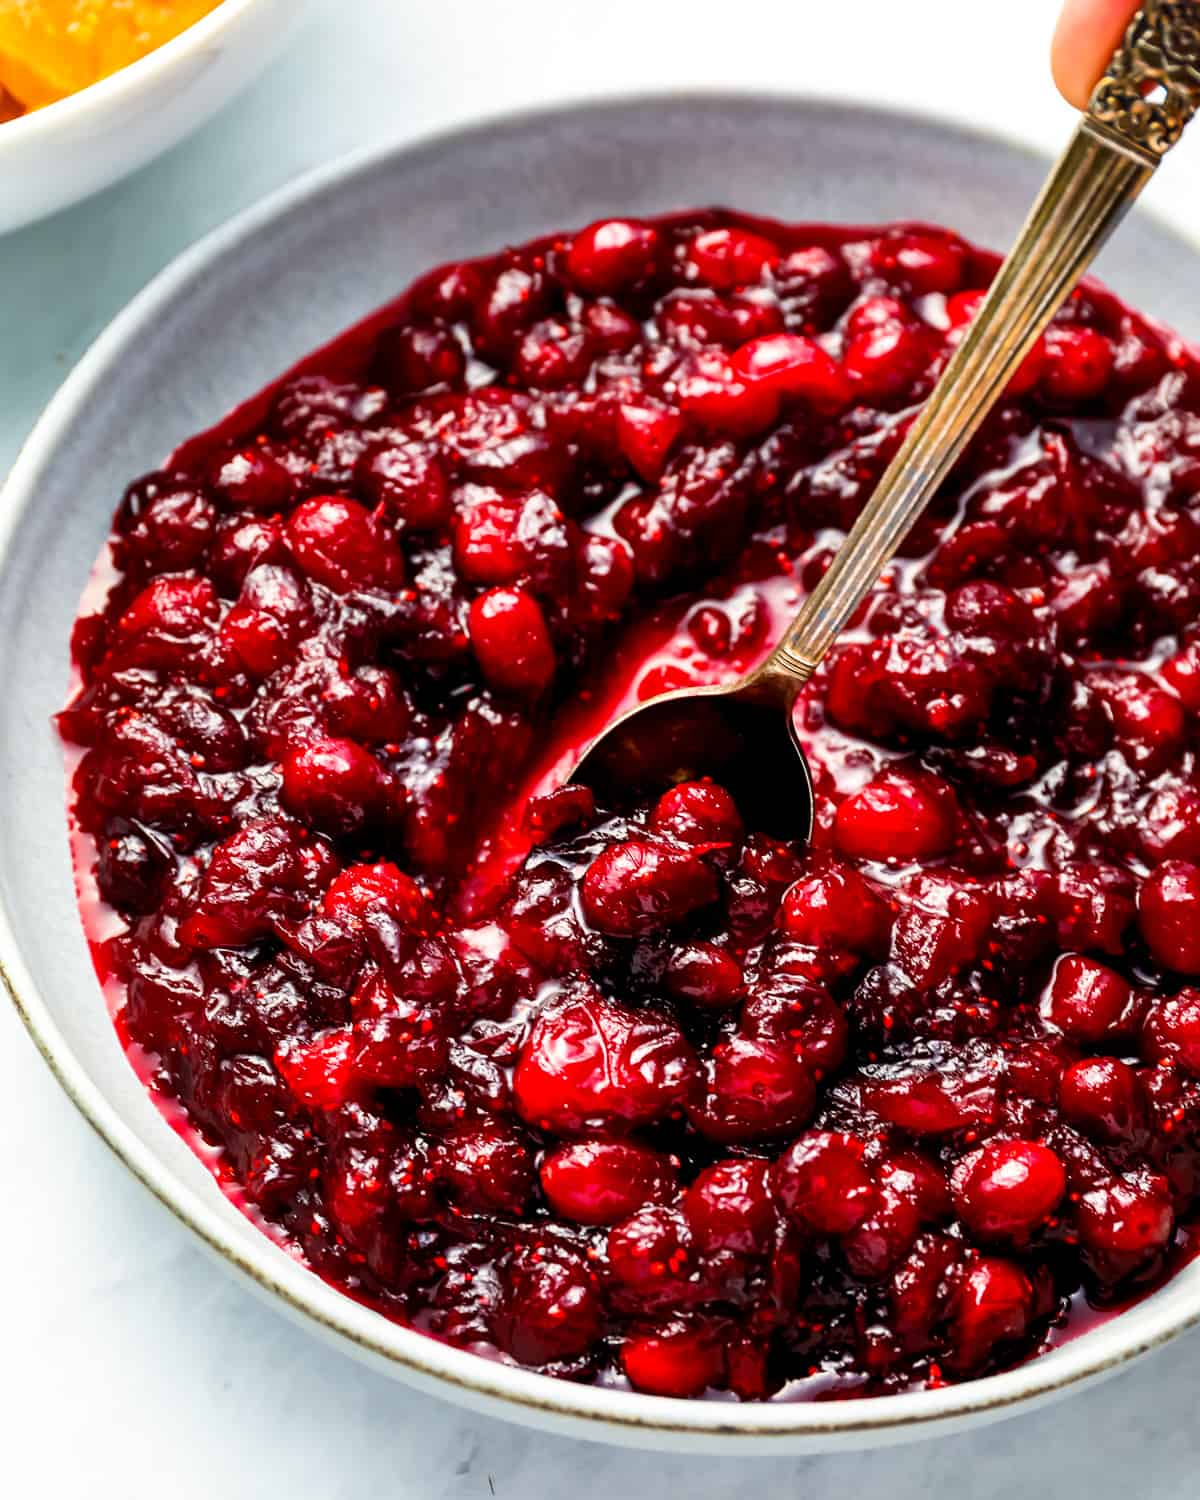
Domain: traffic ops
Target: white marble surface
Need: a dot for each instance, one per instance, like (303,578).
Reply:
(130,1364)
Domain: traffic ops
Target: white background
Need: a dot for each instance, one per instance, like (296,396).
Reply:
(130,1365)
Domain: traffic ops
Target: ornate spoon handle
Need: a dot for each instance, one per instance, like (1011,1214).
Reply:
(1136,114)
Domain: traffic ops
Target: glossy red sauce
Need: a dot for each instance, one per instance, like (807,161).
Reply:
(648,1097)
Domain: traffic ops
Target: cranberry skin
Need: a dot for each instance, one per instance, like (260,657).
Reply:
(917,263)
(551,1308)
(1171,1032)
(487,1167)
(898,815)
(681,1359)
(1085,1000)
(1078,363)
(729,1207)
(795,368)
(1100,1096)
(337,543)
(333,785)
(511,642)
(650,1252)
(994,1308)
(410,484)
(698,812)
(883,1237)
(360,889)
(418,356)
(714,394)
(755,1090)
(705,975)
(1169,915)
(822,1183)
(886,353)
(252,479)
(835,908)
(603,1182)
(638,887)
(167,622)
(264,627)
(725,258)
(1007,1189)
(612,254)
(590,1064)
(1125,1218)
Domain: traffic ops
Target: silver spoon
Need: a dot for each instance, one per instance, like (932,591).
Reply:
(743,733)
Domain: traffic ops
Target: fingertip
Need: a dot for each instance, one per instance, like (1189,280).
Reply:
(1087,35)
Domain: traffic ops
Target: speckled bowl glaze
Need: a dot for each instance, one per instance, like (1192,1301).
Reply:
(236,310)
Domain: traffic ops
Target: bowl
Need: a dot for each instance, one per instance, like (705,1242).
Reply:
(236,310)
(61,153)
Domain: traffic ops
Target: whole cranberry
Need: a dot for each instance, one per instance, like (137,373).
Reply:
(613,254)
(333,785)
(409,482)
(715,394)
(511,641)
(264,627)
(898,815)
(729,1207)
(414,356)
(918,263)
(641,886)
(252,479)
(1085,1000)
(835,908)
(698,812)
(705,975)
(755,1090)
(795,368)
(1125,1217)
(360,889)
(730,257)
(337,543)
(1100,1096)
(591,1064)
(167,622)
(487,1167)
(883,1236)
(886,351)
(603,1182)
(1007,1189)
(678,1359)
(1169,915)
(1078,363)
(550,1307)
(321,1074)
(651,1252)
(1171,1031)
(823,1184)
(994,1307)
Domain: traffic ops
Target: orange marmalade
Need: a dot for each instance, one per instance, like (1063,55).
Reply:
(52,48)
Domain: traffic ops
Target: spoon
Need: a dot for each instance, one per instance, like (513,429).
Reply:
(743,733)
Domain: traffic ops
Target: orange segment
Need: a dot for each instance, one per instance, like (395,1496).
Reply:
(51,48)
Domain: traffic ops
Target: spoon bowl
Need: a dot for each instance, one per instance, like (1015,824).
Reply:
(741,734)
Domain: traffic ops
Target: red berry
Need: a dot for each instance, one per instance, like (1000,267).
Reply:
(835,908)
(334,785)
(1169,915)
(612,254)
(731,257)
(995,1303)
(715,395)
(360,889)
(796,369)
(1100,1096)
(898,815)
(512,642)
(1171,1031)
(338,543)
(822,1182)
(1007,1189)
(698,812)
(755,1090)
(706,975)
(589,1063)
(679,1359)
(729,1208)
(1123,1217)
(1078,363)
(603,1182)
(1085,999)
(639,886)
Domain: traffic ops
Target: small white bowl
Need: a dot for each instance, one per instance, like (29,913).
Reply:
(57,155)
(235,311)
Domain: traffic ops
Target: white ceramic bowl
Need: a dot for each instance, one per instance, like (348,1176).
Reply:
(232,313)
(57,155)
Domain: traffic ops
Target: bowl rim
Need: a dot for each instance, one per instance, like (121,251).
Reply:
(405,1352)
(62,113)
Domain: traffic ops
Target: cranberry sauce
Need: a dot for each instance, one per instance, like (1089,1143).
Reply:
(641,1095)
